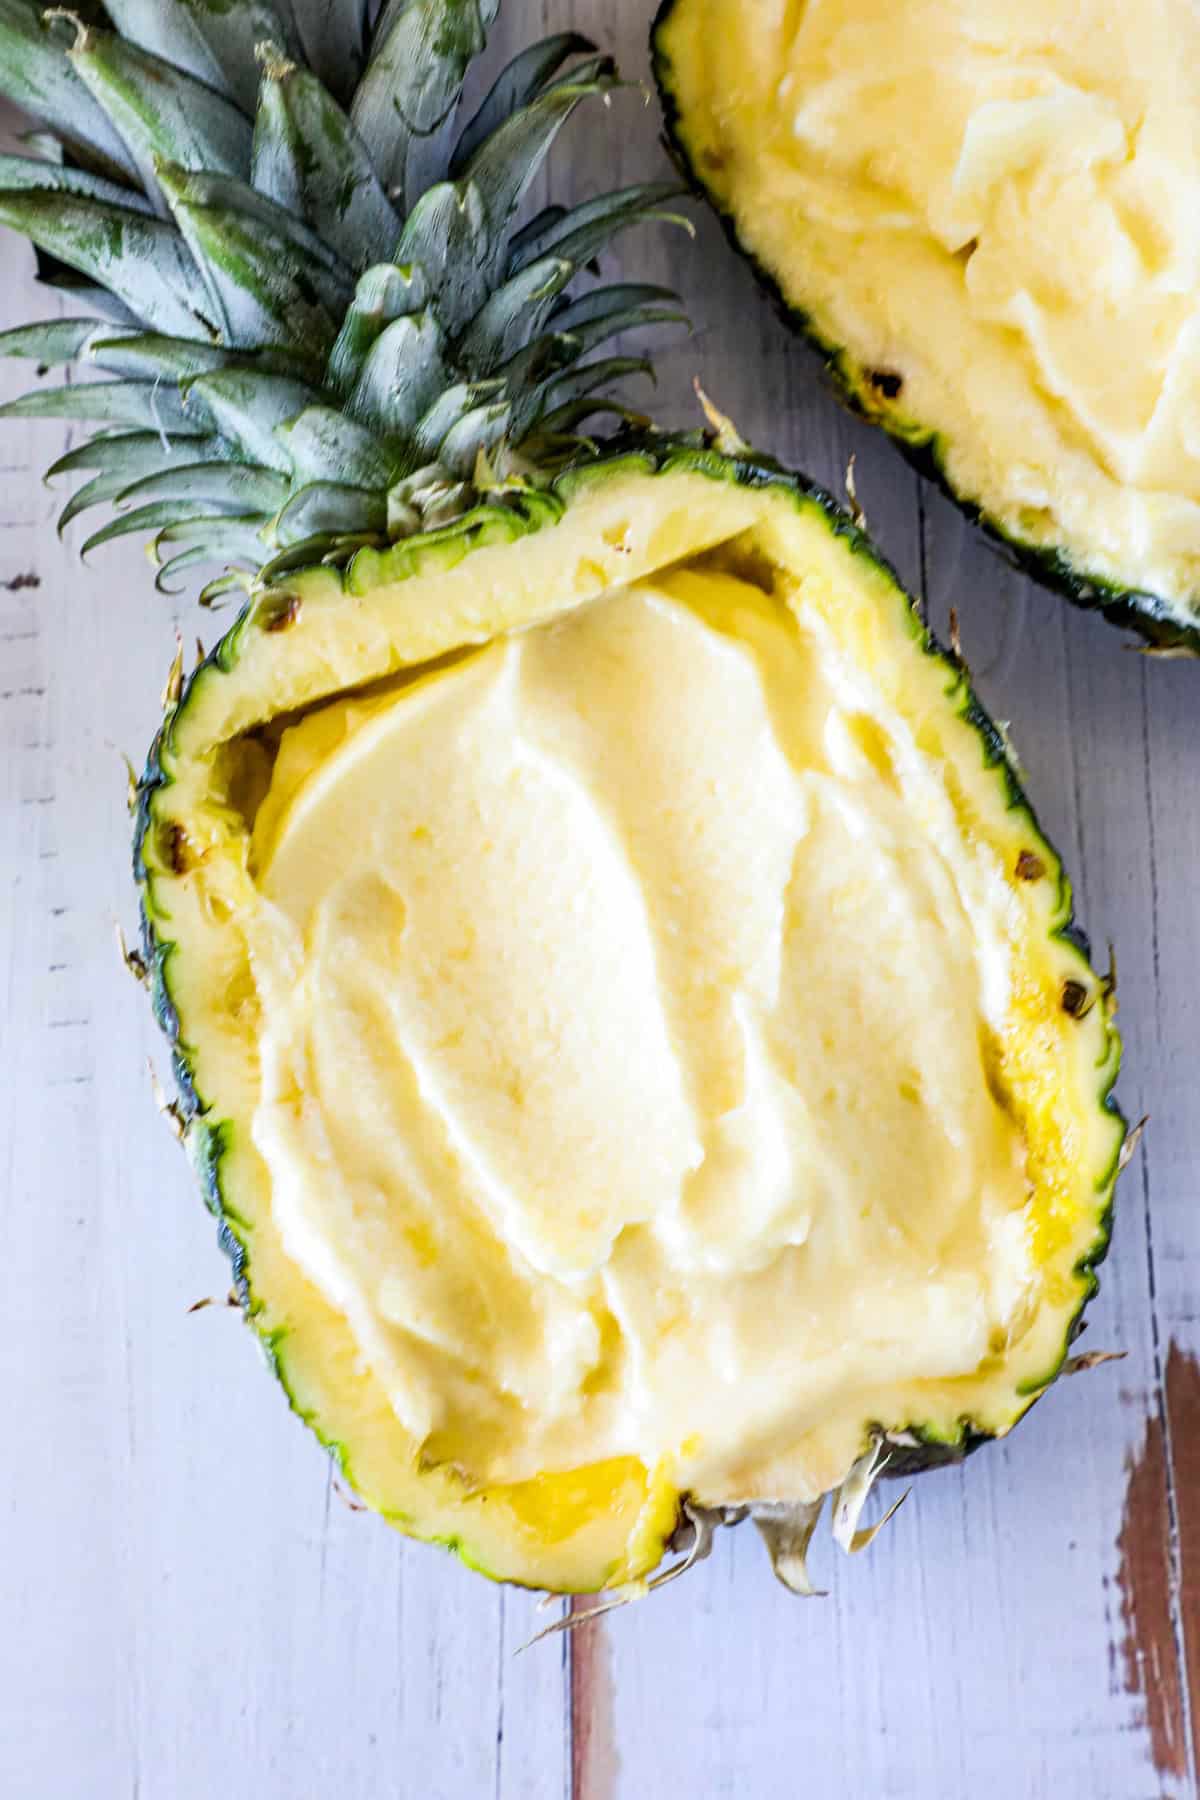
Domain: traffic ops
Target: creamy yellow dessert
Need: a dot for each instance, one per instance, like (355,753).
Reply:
(638,1057)
(991,209)
(574,1099)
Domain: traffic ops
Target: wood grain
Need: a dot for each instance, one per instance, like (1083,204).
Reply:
(595,1758)
(1150,1650)
(190,1609)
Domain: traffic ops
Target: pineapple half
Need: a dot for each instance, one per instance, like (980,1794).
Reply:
(986,217)
(628,1021)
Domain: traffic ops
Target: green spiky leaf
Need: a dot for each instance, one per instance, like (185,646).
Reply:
(519,83)
(572,384)
(420,54)
(404,371)
(309,158)
(146,356)
(478,430)
(263,346)
(131,456)
(175,566)
(95,492)
(333,34)
(169,29)
(583,231)
(514,314)
(324,445)
(558,431)
(83,294)
(51,341)
(448,409)
(329,507)
(214,486)
(36,74)
(245,407)
(619,305)
(128,454)
(215,40)
(271,280)
(141,260)
(503,168)
(384,293)
(449,237)
(161,112)
(105,402)
(30,174)
(139,523)
(224,537)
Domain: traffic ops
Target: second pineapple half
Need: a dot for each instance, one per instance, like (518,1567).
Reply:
(988,217)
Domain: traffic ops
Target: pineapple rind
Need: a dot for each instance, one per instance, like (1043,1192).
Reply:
(922,1444)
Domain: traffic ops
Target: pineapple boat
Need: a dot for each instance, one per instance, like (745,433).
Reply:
(627,1019)
(986,214)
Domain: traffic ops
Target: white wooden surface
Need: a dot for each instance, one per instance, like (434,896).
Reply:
(188,1609)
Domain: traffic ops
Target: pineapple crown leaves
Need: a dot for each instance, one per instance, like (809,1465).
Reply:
(296,358)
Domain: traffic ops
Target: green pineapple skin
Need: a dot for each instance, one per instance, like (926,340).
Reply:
(651,454)
(1145,614)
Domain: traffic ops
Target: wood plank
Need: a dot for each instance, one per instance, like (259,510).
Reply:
(188,1607)
(1076,693)
(980,1646)
(1135,756)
